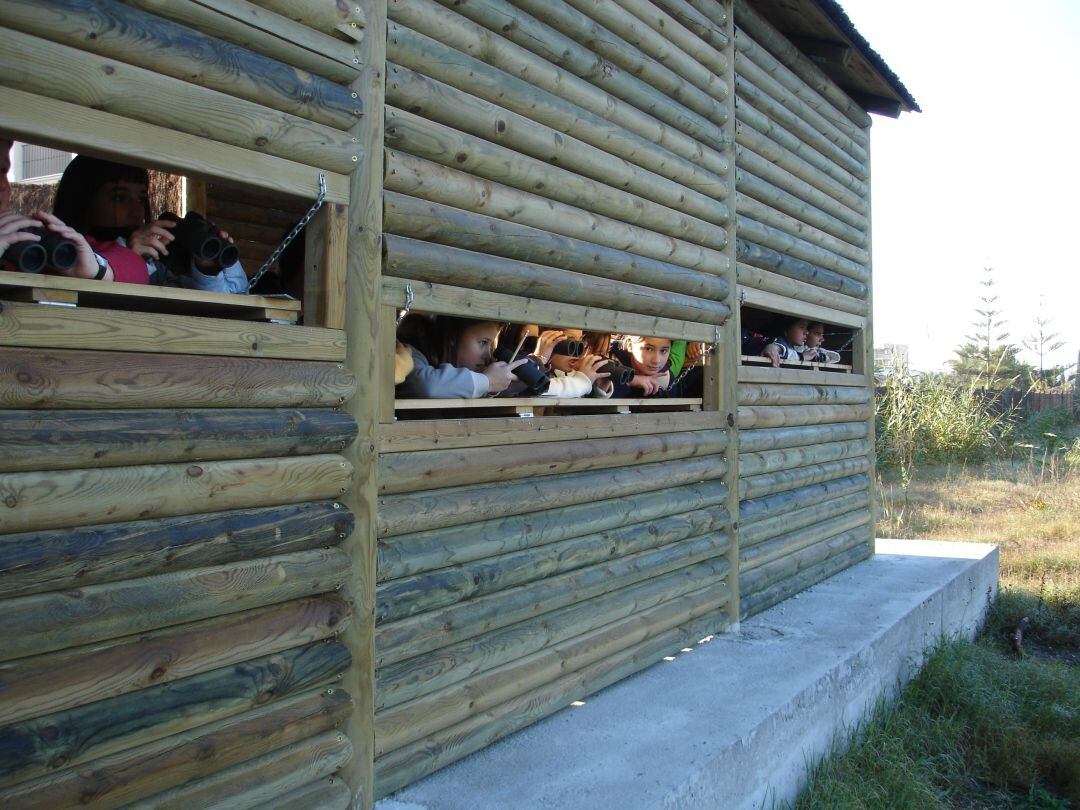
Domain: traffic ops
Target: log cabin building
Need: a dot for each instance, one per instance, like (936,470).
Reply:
(231,572)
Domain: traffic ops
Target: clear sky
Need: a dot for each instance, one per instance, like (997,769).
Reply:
(987,175)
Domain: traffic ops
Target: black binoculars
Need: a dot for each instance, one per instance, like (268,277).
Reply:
(201,241)
(619,374)
(530,372)
(570,348)
(52,251)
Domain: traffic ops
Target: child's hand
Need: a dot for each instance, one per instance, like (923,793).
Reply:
(772,351)
(648,385)
(86,265)
(501,374)
(212,264)
(694,351)
(12,227)
(545,344)
(151,241)
(590,367)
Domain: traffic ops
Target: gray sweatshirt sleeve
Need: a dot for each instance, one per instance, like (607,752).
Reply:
(231,279)
(442,382)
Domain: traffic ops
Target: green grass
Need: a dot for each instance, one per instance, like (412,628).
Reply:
(982,726)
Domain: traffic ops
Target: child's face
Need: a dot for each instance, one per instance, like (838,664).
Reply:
(649,355)
(796,333)
(118,204)
(475,346)
(815,335)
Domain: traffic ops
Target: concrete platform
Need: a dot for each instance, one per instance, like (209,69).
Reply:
(734,722)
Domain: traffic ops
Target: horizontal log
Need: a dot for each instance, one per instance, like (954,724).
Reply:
(266,33)
(409,763)
(219,207)
(104,134)
(768,259)
(541,75)
(659,60)
(72,558)
(786,459)
(64,739)
(463,111)
(482,158)
(747,161)
(420,718)
(666,23)
(411,554)
(768,416)
(63,440)
(495,306)
(278,203)
(771,302)
(435,434)
(815,238)
(430,221)
(413,259)
(409,596)
(409,472)
(710,29)
(761,600)
(800,376)
(763,394)
(415,635)
(128,776)
(782,503)
(330,18)
(325,794)
(751,72)
(450,65)
(252,234)
(399,514)
(64,378)
(45,684)
(801,249)
(753,278)
(753,534)
(414,678)
(431,181)
(795,541)
(792,564)
(851,227)
(67,498)
(33,326)
(116,31)
(36,65)
(754,441)
(54,621)
(546,39)
(834,103)
(264,781)
(755,486)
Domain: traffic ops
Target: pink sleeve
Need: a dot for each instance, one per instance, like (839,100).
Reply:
(127,265)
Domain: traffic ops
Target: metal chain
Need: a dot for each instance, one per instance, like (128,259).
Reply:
(409,298)
(700,361)
(295,232)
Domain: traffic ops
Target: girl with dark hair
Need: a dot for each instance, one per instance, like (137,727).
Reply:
(110,203)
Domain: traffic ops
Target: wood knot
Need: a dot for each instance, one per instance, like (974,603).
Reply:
(11,501)
(500,126)
(194,470)
(261,141)
(157,674)
(461,157)
(109,70)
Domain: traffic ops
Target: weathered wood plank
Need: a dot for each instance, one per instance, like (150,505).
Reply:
(754,441)
(764,530)
(399,514)
(451,300)
(416,635)
(117,31)
(330,18)
(54,621)
(767,597)
(103,134)
(801,395)
(769,506)
(798,376)
(428,715)
(131,775)
(409,472)
(324,267)
(410,554)
(794,541)
(769,301)
(769,416)
(837,220)
(440,264)
(66,498)
(765,258)
(261,781)
(58,440)
(785,459)
(50,683)
(792,564)
(72,558)
(65,378)
(409,596)
(64,739)
(30,325)
(755,486)
(436,434)
(324,794)
(433,222)
(76,76)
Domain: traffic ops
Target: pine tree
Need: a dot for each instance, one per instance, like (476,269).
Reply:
(1043,342)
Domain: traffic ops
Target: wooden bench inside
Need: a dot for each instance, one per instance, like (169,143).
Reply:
(64,291)
(527,406)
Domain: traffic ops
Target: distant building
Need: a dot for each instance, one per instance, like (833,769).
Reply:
(890,358)
(37,164)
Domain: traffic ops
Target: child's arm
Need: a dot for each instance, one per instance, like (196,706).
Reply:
(568,386)
(446,381)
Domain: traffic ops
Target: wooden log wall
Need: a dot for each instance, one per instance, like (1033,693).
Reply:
(177,582)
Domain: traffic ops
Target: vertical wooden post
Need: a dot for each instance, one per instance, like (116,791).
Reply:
(387,343)
(194,196)
(363,270)
(730,340)
(325,260)
(863,355)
